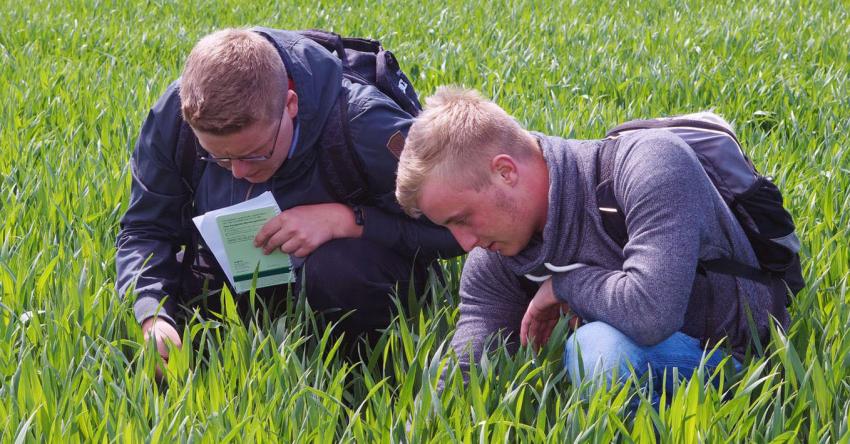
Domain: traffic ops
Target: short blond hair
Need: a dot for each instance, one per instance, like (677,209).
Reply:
(456,136)
(232,78)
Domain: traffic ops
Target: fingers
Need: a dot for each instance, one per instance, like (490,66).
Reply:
(161,331)
(287,237)
(541,332)
(534,329)
(528,324)
(523,329)
(287,240)
(268,230)
(547,333)
(537,325)
(280,240)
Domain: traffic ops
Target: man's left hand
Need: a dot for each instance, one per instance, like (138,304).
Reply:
(542,315)
(300,230)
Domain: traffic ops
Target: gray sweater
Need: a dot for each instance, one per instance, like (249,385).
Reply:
(648,290)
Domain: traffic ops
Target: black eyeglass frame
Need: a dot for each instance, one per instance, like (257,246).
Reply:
(227,161)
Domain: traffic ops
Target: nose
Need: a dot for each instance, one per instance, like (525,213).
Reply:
(239,169)
(466,239)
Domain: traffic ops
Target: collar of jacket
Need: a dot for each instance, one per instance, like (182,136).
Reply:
(317,77)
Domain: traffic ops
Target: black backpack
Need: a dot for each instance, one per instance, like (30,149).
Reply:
(364,61)
(753,198)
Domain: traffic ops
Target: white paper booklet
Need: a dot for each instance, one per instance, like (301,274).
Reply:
(229,233)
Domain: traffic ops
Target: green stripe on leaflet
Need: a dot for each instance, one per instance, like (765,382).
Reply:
(249,276)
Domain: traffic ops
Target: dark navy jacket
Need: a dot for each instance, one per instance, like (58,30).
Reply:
(151,229)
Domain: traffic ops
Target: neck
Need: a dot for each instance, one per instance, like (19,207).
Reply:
(540,188)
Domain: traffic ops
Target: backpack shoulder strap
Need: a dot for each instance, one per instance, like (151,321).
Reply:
(342,170)
(330,40)
(610,212)
(186,157)
(191,168)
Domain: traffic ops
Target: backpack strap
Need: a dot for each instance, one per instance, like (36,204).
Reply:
(614,221)
(191,169)
(186,155)
(610,212)
(737,269)
(330,40)
(342,170)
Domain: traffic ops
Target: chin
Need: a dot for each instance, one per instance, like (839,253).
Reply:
(514,248)
(257,179)
(509,250)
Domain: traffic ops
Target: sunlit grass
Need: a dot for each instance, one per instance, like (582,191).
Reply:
(79,76)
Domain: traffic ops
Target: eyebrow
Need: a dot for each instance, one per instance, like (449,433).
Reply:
(263,146)
(254,151)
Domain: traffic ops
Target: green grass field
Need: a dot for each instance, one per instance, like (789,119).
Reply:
(77,79)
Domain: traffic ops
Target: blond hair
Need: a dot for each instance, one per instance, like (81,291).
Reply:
(456,136)
(232,78)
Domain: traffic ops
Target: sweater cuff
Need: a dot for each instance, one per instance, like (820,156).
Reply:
(561,288)
(148,305)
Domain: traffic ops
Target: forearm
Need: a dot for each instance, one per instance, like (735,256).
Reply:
(148,270)
(492,304)
(646,311)
(408,236)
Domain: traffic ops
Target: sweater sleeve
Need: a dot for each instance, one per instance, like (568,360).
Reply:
(492,302)
(375,122)
(664,193)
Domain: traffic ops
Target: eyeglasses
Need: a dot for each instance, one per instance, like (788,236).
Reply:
(226,162)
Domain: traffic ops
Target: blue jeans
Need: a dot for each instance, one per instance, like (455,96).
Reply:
(606,354)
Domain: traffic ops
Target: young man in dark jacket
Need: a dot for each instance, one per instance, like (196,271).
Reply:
(524,205)
(257,102)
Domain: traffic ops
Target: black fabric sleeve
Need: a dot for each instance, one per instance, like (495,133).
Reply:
(152,230)
(373,120)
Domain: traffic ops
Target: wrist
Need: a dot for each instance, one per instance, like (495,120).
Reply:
(149,323)
(350,228)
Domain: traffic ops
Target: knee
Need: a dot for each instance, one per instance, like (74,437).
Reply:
(356,277)
(598,350)
(351,282)
(332,268)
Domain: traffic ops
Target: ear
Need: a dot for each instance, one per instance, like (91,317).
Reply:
(504,169)
(291,103)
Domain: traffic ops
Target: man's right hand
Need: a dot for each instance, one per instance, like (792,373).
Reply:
(541,316)
(162,331)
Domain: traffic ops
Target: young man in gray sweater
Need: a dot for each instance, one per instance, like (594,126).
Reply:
(524,206)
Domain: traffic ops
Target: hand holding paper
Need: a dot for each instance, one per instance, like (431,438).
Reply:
(300,230)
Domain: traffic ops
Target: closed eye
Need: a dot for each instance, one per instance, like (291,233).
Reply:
(460,221)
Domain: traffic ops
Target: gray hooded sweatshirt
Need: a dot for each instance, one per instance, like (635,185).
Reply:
(648,290)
